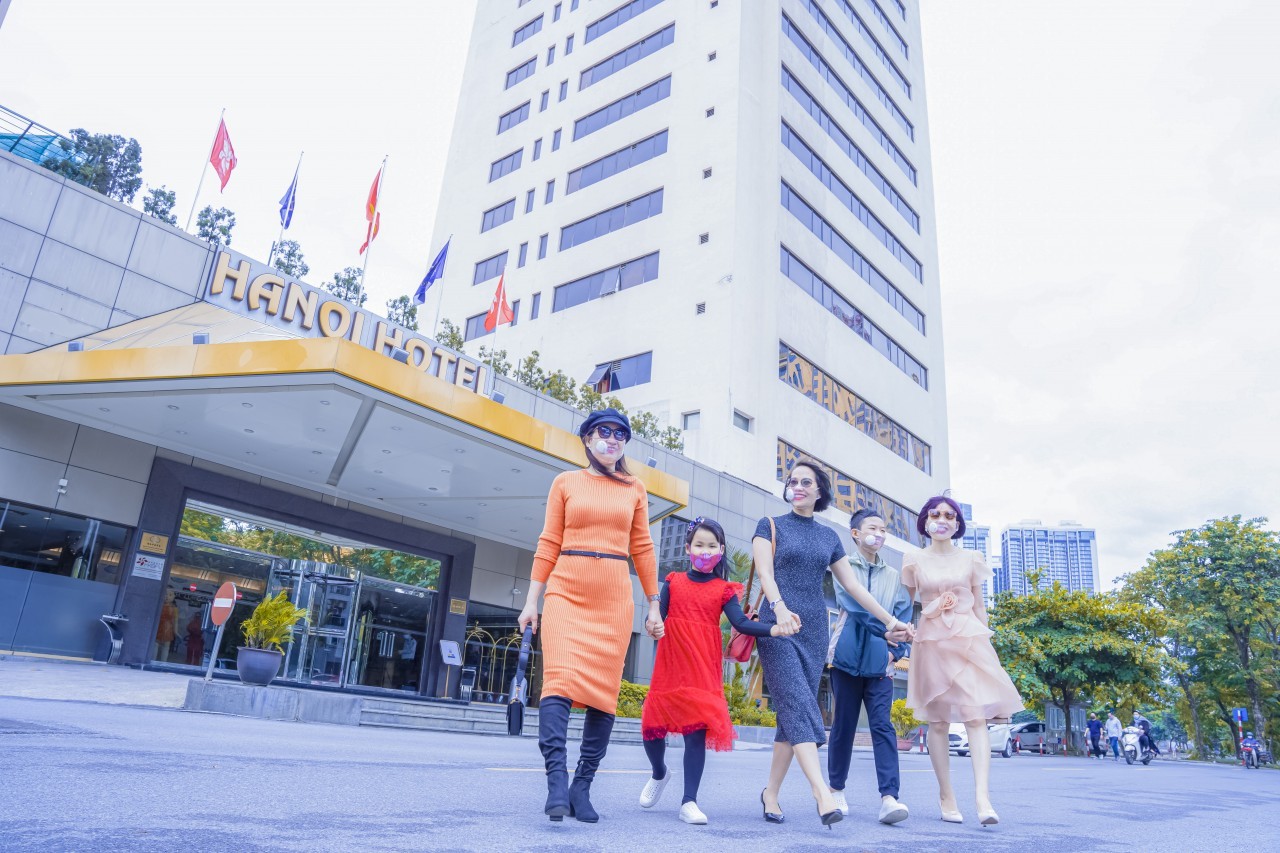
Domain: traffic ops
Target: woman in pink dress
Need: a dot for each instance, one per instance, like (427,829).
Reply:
(955,675)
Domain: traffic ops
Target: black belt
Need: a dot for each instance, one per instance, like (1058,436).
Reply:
(600,554)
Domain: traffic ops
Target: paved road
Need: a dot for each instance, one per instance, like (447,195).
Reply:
(78,776)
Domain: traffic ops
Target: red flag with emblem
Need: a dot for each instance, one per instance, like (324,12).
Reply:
(500,312)
(371,212)
(223,155)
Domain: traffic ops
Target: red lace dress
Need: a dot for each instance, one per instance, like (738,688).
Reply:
(687,690)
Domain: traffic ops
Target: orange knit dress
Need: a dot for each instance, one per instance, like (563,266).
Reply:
(588,610)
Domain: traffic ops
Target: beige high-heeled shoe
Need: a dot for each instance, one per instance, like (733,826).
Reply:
(988,817)
(951,816)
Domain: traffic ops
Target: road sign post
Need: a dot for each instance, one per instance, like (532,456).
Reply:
(224,601)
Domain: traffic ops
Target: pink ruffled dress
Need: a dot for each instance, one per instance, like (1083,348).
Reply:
(955,674)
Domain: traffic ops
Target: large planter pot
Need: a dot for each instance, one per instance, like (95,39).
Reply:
(906,744)
(258,666)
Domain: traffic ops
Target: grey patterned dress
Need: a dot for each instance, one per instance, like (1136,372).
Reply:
(793,665)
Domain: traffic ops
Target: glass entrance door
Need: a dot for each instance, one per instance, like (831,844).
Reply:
(326,591)
(389,640)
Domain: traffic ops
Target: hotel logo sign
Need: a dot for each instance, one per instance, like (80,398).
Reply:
(252,289)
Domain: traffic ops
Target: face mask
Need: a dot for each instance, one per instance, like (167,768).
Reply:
(937,527)
(601,446)
(705,562)
(871,540)
(787,494)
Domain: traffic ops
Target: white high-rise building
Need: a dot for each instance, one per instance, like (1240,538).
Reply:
(721,213)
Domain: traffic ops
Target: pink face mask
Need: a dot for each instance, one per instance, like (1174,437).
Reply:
(705,562)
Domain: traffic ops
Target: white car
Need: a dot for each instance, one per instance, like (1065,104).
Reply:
(1001,740)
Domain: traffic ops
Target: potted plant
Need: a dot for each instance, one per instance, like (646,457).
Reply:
(904,722)
(265,632)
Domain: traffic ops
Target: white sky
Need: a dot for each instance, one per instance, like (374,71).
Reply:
(1107,176)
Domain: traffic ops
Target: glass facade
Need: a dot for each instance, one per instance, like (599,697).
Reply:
(623,107)
(623,373)
(614,219)
(617,18)
(521,72)
(506,165)
(881,54)
(527,31)
(627,56)
(511,119)
(619,161)
(495,216)
(489,268)
(605,282)
(850,495)
(1066,555)
(800,373)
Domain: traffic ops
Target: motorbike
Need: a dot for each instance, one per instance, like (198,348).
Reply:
(1251,757)
(1131,746)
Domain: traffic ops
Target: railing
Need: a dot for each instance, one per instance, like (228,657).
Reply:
(44,146)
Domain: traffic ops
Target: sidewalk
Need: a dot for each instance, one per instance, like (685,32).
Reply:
(31,677)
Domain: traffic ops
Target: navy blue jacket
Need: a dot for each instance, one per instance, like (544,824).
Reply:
(861,649)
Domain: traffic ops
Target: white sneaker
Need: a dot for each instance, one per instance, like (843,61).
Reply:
(841,803)
(653,790)
(892,811)
(690,813)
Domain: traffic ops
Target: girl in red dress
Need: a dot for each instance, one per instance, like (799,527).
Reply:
(686,694)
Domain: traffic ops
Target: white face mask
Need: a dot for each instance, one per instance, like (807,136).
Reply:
(787,494)
(871,540)
(601,446)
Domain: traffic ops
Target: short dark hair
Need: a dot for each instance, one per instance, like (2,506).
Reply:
(855,520)
(713,527)
(930,504)
(823,479)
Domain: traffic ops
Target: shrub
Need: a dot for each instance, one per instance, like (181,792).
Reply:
(904,722)
(631,698)
(271,624)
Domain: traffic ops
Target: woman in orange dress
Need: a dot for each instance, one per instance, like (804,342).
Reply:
(596,519)
(956,676)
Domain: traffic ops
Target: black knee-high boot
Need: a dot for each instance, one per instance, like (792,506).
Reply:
(596,729)
(553,730)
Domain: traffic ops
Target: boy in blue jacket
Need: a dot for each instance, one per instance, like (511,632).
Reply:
(862,668)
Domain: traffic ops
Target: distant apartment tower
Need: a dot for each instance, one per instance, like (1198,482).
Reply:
(720,212)
(1067,553)
(977,538)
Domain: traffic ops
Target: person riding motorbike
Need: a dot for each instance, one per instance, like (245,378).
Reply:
(1250,744)
(1147,742)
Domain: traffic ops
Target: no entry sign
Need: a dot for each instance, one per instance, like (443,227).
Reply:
(224,601)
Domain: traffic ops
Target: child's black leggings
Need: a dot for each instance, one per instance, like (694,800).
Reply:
(695,758)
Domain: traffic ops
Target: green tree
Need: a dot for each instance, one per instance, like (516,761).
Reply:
(346,285)
(450,335)
(110,164)
(215,225)
(1056,644)
(160,203)
(497,359)
(287,257)
(404,311)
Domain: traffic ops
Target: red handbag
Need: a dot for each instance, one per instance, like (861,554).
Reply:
(742,646)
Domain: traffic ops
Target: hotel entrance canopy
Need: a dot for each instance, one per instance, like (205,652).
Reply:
(329,416)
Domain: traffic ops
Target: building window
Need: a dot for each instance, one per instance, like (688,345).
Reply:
(623,373)
(627,56)
(700,309)
(706,173)
(846,144)
(505,166)
(619,161)
(542,247)
(537,148)
(495,216)
(617,18)
(846,94)
(511,119)
(564,89)
(711,111)
(568,45)
(711,57)
(813,382)
(555,140)
(551,55)
(551,192)
(555,12)
(623,107)
(838,188)
(613,219)
(524,254)
(605,282)
(529,30)
(521,72)
(474,327)
(515,312)
(57,543)
(573,6)
(860,68)
(537,303)
(489,268)
(704,238)
(544,100)
(851,496)
(844,311)
(870,39)
(690,420)
(741,421)
(528,202)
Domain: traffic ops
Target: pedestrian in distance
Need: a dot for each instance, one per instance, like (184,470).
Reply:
(956,676)
(792,555)
(686,692)
(1114,730)
(596,518)
(862,666)
(1095,734)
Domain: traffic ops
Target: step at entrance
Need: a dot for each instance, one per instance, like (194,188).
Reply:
(474,719)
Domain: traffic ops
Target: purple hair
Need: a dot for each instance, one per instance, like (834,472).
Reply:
(923,517)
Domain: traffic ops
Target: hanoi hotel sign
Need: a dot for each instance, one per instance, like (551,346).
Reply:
(254,290)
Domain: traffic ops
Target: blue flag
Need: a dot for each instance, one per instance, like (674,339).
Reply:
(286,203)
(433,274)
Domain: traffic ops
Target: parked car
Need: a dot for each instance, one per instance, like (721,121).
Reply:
(1001,740)
(1029,736)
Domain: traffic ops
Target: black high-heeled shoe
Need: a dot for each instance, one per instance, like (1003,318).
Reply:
(771,817)
(833,816)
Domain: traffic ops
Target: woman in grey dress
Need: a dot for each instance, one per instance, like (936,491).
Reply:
(792,586)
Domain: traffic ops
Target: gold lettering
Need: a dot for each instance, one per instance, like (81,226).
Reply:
(330,309)
(382,340)
(224,271)
(268,287)
(299,297)
(419,354)
(467,375)
(482,379)
(357,327)
(447,360)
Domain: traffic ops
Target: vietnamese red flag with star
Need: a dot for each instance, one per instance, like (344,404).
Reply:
(223,156)
(500,311)
(372,213)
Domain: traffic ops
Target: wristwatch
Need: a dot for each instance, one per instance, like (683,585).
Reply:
(655,597)
(774,604)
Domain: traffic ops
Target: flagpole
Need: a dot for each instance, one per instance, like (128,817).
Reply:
(435,327)
(373,227)
(294,187)
(203,172)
